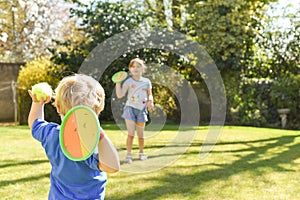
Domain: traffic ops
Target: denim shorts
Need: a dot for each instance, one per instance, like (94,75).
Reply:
(135,114)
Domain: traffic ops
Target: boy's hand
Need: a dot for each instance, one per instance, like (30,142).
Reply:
(37,108)
(42,100)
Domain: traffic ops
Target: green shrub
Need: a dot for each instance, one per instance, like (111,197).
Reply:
(285,93)
(258,101)
(38,70)
(251,104)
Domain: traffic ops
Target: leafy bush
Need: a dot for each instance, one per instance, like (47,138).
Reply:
(284,90)
(38,70)
(285,93)
(251,104)
(258,101)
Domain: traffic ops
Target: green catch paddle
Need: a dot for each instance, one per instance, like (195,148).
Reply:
(79,133)
(119,76)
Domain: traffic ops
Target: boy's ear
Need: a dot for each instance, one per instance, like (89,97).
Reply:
(57,109)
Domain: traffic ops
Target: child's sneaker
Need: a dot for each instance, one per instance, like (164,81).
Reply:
(128,159)
(143,156)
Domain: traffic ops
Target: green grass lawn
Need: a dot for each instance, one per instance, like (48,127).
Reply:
(246,163)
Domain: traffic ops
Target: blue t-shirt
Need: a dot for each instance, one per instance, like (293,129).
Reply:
(69,179)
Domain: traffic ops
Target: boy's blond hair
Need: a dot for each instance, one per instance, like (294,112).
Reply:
(77,90)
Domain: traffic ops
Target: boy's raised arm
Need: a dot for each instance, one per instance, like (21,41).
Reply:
(37,109)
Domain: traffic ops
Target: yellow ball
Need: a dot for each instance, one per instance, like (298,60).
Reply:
(42,90)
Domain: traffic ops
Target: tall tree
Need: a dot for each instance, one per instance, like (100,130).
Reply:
(272,74)
(157,7)
(277,44)
(225,29)
(28,27)
(97,22)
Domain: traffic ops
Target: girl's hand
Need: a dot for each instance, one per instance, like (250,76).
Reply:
(150,105)
(42,100)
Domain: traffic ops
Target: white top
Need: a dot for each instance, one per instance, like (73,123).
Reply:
(137,96)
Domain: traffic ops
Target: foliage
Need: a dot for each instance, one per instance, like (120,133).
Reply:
(276,60)
(28,27)
(258,100)
(39,70)
(158,9)
(277,54)
(98,22)
(251,57)
(285,93)
(252,104)
(226,30)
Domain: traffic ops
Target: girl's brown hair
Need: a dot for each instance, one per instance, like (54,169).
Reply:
(139,61)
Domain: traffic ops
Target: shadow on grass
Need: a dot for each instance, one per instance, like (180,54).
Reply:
(11,163)
(166,127)
(174,183)
(23,180)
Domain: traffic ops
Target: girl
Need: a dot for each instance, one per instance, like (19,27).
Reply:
(139,99)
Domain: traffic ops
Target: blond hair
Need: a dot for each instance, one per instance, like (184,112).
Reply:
(77,90)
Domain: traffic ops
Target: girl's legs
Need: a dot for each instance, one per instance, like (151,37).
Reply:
(140,126)
(129,142)
(131,129)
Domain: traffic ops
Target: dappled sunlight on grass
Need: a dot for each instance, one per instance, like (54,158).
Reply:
(246,163)
(24,168)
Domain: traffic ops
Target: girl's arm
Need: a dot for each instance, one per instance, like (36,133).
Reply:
(108,156)
(150,103)
(120,91)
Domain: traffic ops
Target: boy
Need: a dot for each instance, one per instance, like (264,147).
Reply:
(74,179)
